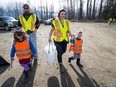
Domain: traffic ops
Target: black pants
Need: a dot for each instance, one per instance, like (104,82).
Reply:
(61,48)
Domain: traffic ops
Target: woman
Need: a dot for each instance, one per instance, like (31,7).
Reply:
(60,29)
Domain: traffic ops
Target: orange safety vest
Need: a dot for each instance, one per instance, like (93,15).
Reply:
(23,50)
(28,24)
(61,33)
(77,46)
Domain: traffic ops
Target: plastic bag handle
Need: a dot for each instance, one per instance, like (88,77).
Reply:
(49,48)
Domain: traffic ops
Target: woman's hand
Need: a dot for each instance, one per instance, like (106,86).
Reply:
(49,40)
(70,34)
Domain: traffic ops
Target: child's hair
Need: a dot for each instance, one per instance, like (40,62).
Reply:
(19,33)
(80,32)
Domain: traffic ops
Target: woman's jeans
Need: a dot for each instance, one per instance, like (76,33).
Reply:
(61,49)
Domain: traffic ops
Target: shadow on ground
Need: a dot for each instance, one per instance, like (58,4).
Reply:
(53,82)
(29,83)
(9,82)
(84,80)
(66,80)
(3,64)
(3,69)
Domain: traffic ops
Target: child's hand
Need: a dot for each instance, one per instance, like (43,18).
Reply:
(73,36)
(12,59)
(35,56)
(49,40)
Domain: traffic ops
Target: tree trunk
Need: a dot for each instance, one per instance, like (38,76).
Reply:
(41,2)
(100,10)
(87,9)
(46,10)
(81,10)
(90,7)
(93,13)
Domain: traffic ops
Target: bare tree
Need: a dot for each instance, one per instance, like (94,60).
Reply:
(51,11)
(87,12)
(68,13)
(90,10)
(76,10)
(81,10)
(1,11)
(94,10)
(16,10)
(100,10)
(41,9)
(46,10)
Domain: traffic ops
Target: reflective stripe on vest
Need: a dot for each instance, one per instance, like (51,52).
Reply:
(20,55)
(75,47)
(61,33)
(23,50)
(28,24)
(78,51)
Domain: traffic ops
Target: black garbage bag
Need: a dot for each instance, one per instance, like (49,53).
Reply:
(3,62)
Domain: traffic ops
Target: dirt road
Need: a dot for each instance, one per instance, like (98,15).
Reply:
(98,59)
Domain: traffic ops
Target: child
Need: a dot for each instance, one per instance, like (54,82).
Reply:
(76,47)
(23,48)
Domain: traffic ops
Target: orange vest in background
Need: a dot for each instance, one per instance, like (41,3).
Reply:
(23,50)
(76,47)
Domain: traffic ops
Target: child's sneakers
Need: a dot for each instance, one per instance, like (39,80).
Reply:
(78,63)
(70,58)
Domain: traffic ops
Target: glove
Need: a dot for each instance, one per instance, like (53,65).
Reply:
(10,67)
(35,56)
(12,59)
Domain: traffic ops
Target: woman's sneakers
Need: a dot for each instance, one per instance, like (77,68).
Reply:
(26,74)
(62,69)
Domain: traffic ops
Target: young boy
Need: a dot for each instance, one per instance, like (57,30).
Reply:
(76,47)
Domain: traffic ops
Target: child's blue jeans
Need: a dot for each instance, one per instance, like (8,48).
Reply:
(76,56)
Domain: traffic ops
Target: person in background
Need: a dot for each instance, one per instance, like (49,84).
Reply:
(110,21)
